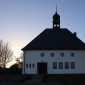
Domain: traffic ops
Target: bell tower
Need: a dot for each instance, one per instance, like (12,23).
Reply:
(56,20)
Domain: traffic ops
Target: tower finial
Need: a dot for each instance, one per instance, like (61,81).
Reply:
(56,9)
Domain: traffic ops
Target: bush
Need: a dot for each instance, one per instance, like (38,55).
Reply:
(14,69)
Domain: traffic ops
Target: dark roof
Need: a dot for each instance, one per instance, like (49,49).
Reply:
(55,39)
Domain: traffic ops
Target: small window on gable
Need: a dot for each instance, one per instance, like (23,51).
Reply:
(66,65)
(72,54)
(60,65)
(52,54)
(54,65)
(62,54)
(72,65)
(29,65)
(33,65)
(26,65)
(42,54)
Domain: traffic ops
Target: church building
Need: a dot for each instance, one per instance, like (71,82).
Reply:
(54,51)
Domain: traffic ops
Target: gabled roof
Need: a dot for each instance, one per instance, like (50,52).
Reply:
(55,39)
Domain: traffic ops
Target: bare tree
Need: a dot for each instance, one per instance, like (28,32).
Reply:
(1,52)
(5,53)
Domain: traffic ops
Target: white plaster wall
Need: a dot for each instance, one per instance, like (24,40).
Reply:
(23,64)
(33,57)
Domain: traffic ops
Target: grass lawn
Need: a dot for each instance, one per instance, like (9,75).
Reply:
(13,78)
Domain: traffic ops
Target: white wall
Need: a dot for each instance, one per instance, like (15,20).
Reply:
(32,57)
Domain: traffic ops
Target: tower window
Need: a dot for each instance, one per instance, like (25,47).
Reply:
(57,25)
(52,54)
(62,54)
(60,65)
(54,65)
(42,54)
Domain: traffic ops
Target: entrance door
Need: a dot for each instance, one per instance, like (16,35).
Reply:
(42,68)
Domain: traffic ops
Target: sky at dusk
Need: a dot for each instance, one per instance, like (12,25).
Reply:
(22,20)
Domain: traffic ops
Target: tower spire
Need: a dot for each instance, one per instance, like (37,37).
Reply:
(56,9)
(56,20)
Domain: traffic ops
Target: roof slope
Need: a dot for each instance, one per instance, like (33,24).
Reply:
(55,39)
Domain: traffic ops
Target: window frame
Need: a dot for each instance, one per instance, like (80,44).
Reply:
(72,54)
(33,65)
(29,65)
(54,65)
(60,65)
(72,65)
(42,54)
(52,54)
(62,54)
(66,65)
(26,65)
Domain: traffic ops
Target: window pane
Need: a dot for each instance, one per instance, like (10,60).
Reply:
(60,65)
(62,54)
(72,54)
(54,65)
(29,65)
(42,54)
(66,65)
(72,65)
(26,65)
(33,65)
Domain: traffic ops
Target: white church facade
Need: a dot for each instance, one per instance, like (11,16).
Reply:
(54,51)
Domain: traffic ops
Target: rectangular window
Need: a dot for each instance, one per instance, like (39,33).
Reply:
(33,65)
(60,65)
(66,65)
(26,65)
(29,65)
(72,65)
(54,65)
